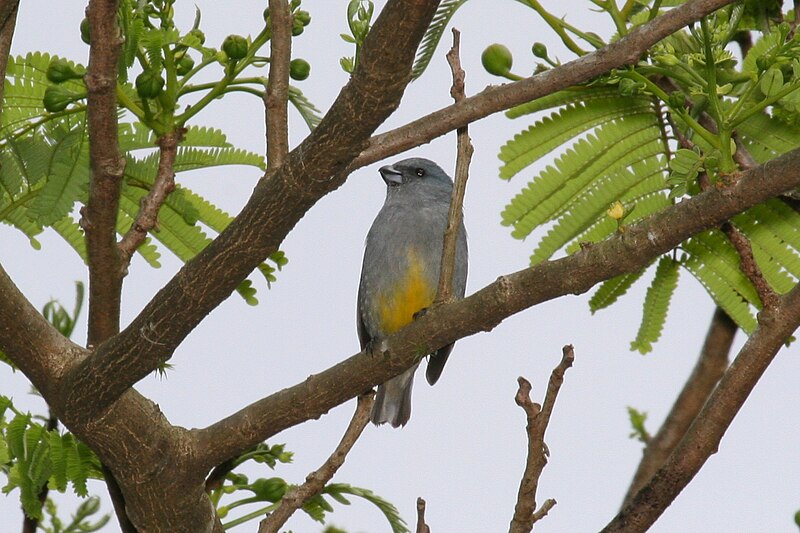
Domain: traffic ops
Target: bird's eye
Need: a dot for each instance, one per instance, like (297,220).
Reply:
(420,172)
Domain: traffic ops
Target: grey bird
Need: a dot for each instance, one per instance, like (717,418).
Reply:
(400,272)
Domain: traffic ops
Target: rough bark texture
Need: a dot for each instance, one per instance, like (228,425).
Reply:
(160,467)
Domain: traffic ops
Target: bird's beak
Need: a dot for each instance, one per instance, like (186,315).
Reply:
(391,175)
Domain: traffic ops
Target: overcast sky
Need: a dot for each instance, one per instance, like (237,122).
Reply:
(464,448)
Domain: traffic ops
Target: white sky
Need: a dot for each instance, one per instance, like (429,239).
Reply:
(464,449)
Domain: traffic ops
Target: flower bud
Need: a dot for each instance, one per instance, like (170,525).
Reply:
(539,50)
(149,84)
(235,46)
(185,64)
(60,70)
(57,98)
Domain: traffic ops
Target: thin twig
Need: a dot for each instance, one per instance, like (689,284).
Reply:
(706,374)
(316,480)
(422,527)
(525,513)
(463,157)
(163,185)
(276,95)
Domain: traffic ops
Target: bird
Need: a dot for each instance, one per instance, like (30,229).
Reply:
(400,271)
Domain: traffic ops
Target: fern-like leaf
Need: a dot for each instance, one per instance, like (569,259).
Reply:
(308,111)
(612,289)
(573,95)
(391,513)
(656,305)
(552,131)
(586,165)
(433,35)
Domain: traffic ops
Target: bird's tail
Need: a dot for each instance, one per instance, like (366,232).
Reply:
(393,400)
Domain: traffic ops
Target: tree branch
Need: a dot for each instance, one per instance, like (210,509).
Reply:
(704,435)
(525,514)
(707,372)
(163,185)
(498,98)
(483,310)
(422,527)
(463,157)
(8,22)
(317,480)
(316,167)
(275,97)
(99,217)
(277,204)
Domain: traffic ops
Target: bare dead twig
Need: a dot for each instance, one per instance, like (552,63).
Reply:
(463,157)
(163,185)
(422,527)
(276,95)
(706,374)
(316,480)
(703,437)
(525,513)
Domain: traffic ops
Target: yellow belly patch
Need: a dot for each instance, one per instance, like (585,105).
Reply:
(404,299)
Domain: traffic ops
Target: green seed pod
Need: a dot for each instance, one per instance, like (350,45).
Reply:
(299,69)
(497,60)
(303,16)
(57,98)
(85,35)
(59,70)
(270,490)
(235,46)
(539,50)
(149,84)
(185,64)
(297,27)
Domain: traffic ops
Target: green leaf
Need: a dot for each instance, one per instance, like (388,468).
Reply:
(433,35)
(656,304)
(389,511)
(552,131)
(637,419)
(610,290)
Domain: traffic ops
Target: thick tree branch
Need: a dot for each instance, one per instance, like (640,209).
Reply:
(31,342)
(99,217)
(277,204)
(317,480)
(706,374)
(163,185)
(482,311)
(703,437)
(8,22)
(275,97)
(463,157)
(525,513)
(498,98)
(316,167)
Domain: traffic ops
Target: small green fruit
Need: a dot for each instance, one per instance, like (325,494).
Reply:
(299,69)
(59,70)
(57,98)
(85,35)
(149,84)
(199,34)
(297,27)
(235,46)
(539,50)
(303,16)
(497,60)
(185,64)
